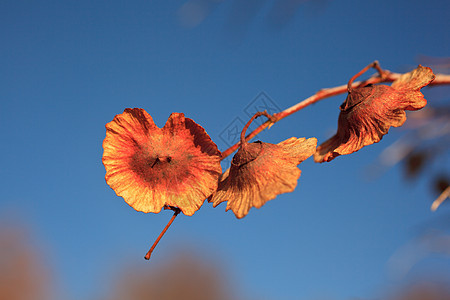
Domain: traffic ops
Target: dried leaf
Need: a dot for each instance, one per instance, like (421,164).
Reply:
(261,171)
(369,112)
(150,167)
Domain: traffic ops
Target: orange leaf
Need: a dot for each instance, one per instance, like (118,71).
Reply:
(261,171)
(369,111)
(150,167)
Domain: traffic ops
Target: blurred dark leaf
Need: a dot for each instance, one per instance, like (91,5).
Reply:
(415,163)
(441,183)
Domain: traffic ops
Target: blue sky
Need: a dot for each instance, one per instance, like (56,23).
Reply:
(68,67)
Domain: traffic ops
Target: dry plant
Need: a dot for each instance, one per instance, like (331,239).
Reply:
(178,166)
(422,150)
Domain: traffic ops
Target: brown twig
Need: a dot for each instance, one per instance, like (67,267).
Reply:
(175,214)
(258,114)
(374,65)
(440,79)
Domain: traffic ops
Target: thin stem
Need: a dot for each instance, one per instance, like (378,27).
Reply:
(175,214)
(375,65)
(258,114)
(440,79)
(444,195)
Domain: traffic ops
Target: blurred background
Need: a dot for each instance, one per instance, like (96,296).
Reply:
(359,227)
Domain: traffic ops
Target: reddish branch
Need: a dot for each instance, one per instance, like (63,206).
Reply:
(175,214)
(258,114)
(386,76)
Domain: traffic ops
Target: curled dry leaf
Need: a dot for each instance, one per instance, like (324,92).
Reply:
(261,171)
(369,111)
(175,166)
